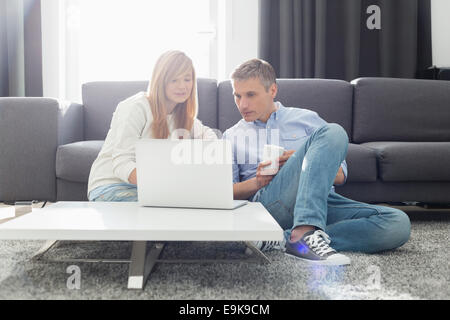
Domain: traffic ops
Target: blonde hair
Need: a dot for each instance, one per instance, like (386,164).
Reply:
(170,65)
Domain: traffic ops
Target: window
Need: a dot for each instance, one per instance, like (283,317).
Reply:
(121,39)
(95,40)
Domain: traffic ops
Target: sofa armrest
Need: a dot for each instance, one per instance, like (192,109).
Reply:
(28,142)
(70,123)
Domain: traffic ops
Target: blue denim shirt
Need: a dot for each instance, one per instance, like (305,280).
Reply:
(286,127)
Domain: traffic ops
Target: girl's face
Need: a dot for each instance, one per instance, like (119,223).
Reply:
(179,89)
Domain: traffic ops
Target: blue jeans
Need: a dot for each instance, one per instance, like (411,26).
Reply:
(114,192)
(301,194)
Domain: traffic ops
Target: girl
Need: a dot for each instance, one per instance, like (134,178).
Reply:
(169,105)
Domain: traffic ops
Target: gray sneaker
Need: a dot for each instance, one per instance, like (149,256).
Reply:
(314,248)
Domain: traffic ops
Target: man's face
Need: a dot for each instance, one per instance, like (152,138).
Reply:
(252,99)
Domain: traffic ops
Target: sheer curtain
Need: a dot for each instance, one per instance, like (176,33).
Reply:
(97,40)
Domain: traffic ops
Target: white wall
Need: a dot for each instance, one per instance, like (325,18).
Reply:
(440,26)
(59,51)
(244,36)
(51,55)
(238,41)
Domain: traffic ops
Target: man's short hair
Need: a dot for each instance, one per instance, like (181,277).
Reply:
(255,68)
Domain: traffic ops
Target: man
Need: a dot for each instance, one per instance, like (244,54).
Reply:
(317,221)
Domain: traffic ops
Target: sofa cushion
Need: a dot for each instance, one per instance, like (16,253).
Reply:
(388,109)
(331,99)
(361,164)
(74,160)
(71,191)
(412,161)
(395,192)
(100,100)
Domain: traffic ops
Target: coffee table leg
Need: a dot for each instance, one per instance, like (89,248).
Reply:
(256,251)
(142,263)
(47,246)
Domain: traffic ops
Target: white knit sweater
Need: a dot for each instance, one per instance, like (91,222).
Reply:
(130,122)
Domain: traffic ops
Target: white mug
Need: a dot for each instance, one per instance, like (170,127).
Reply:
(271,152)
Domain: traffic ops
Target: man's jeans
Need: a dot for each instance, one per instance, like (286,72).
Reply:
(301,194)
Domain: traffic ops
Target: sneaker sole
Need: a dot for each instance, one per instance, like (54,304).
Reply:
(322,262)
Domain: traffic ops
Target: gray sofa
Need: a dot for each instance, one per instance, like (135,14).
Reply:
(399,131)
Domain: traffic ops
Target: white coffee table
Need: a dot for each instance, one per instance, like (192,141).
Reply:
(127,221)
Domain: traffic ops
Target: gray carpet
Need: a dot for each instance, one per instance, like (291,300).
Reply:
(418,270)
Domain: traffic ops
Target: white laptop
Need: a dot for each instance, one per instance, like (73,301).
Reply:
(190,173)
